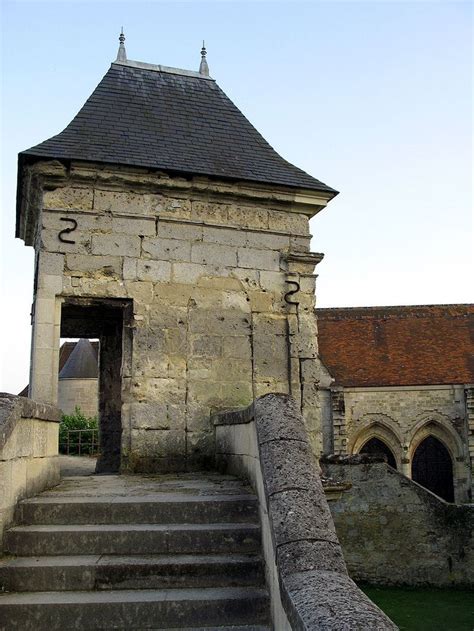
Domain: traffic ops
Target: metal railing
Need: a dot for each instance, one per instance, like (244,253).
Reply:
(80,442)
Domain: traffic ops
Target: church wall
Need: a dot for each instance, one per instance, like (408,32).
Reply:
(207,273)
(395,532)
(402,417)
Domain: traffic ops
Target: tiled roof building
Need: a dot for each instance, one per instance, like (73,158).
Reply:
(400,383)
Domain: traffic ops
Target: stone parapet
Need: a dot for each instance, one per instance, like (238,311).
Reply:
(306,573)
(395,532)
(28,451)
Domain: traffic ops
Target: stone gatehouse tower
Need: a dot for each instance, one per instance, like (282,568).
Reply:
(167,227)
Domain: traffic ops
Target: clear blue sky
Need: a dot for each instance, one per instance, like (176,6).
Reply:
(373,98)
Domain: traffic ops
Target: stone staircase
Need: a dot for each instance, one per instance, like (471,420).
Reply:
(136,552)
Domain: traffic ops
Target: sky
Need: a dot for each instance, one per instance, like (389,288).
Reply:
(373,98)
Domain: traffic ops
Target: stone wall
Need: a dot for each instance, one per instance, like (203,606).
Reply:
(395,532)
(78,392)
(402,417)
(306,573)
(206,265)
(28,452)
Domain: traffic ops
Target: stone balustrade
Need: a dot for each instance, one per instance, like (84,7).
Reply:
(306,572)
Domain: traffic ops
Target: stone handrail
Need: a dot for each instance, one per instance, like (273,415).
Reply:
(28,451)
(307,577)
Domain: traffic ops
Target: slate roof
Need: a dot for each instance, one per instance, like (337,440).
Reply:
(177,121)
(398,346)
(81,363)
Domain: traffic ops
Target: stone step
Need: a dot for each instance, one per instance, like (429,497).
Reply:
(84,573)
(135,609)
(132,539)
(158,508)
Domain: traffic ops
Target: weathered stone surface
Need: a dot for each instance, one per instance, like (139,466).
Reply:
(395,532)
(309,556)
(331,601)
(278,418)
(301,514)
(288,464)
(67,197)
(166,249)
(118,244)
(302,552)
(259,259)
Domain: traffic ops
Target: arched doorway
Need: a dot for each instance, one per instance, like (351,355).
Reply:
(376,447)
(432,467)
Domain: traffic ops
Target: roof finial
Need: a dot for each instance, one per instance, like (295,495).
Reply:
(122,53)
(204,68)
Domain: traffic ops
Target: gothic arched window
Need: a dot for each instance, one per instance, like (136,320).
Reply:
(432,467)
(376,447)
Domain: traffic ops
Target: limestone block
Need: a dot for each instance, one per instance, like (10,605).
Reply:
(5,485)
(291,223)
(224,236)
(248,217)
(210,212)
(237,394)
(155,271)
(50,242)
(300,244)
(247,277)
(172,295)
(270,358)
(116,244)
(135,226)
(229,369)
(269,324)
(50,284)
(179,230)
(17,479)
(40,439)
(20,442)
(86,222)
(208,345)
(259,259)
(129,268)
(199,444)
(308,284)
(176,341)
(261,301)
(213,254)
(236,347)
(40,474)
(205,298)
(105,265)
(50,263)
(140,291)
(187,273)
(158,443)
(126,203)
(263,240)
(273,281)
(221,283)
(156,415)
(171,391)
(67,197)
(175,208)
(220,322)
(166,249)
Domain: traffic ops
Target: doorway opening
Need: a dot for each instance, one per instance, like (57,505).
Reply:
(376,447)
(432,467)
(104,320)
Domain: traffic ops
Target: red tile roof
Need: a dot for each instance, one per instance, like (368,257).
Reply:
(395,346)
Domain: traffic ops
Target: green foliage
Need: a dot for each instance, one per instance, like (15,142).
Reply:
(73,442)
